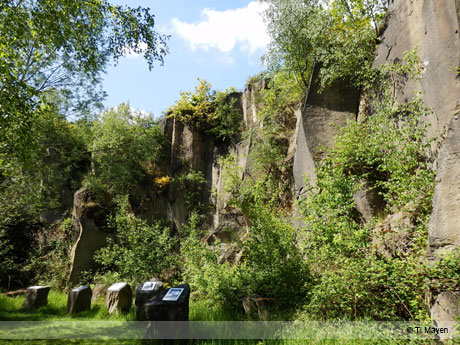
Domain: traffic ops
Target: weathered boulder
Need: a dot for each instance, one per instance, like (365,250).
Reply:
(119,298)
(172,306)
(99,291)
(445,311)
(87,218)
(37,296)
(79,299)
(369,203)
(392,237)
(144,293)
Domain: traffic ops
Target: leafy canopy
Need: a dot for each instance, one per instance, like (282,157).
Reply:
(127,145)
(340,35)
(62,46)
(209,110)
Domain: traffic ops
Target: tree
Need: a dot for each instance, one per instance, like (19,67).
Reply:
(126,148)
(212,111)
(339,35)
(62,47)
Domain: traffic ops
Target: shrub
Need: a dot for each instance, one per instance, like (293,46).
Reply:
(218,283)
(139,251)
(125,143)
(208,110)
(387,151)
(271,265)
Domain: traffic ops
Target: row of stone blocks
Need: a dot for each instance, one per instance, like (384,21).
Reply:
(152,301)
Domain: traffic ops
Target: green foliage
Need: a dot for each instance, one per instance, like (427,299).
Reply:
(228,117)
(386,152)
(125,144)
(196,109)
(269,174)
(271,264)
(444,274)
(210,280)
(59,160)
(138,251)
(270,261)
(209,110)
(192,183)
(63,47)
(8,264)
(338,35)
(52,265)
(30,189)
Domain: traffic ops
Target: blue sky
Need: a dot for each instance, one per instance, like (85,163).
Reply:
(221,41)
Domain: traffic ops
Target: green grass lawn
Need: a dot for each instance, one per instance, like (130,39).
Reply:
(199,311)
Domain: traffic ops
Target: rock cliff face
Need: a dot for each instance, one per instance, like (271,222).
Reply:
(433,28)
(88,229)
(323,110)
(190,150)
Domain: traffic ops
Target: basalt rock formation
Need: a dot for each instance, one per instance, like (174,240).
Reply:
(430,27)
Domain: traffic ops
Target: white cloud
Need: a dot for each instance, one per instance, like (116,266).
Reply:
(224,29)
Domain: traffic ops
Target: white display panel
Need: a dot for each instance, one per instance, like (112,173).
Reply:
(149,286)
(173,294)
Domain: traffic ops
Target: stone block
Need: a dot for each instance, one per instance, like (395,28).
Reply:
(37,296)
(144,293)
(369,203)
(79,299)
(119,298)
(99,291)
(171,306)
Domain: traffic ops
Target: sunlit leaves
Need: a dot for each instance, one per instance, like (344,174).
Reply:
(63,46)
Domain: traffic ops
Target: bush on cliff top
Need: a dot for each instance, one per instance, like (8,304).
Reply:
(208,110)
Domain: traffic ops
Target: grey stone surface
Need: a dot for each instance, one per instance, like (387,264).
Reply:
(190,149)
(433,27)
(304,166)
(99,291)
(79,299)
(368,203)
(119,298)
(249,101)
(443,229)
(323,110)
(36,296)
(392,237)
(86,215)
(445,311)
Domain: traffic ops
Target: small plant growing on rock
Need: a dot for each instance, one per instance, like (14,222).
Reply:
(208,110)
